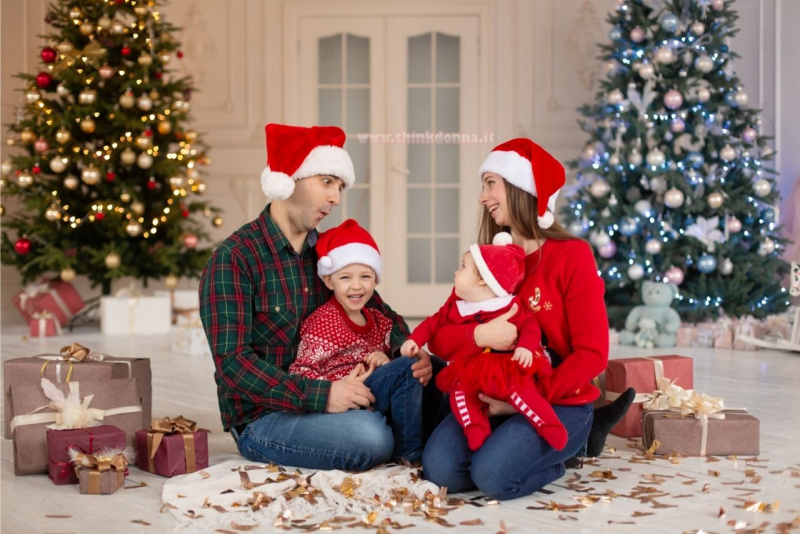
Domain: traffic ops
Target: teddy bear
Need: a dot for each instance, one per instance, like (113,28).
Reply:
(657,297)
(646,336)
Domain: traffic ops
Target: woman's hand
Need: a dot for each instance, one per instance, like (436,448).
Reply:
(496,407)
(350,393)
(423,369)
(498,334)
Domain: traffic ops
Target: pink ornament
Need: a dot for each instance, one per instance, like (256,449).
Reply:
(607,250)
(748,135)
(41,145)
(734,225)
(637,35)
(673,99)
(106,72)
(718,5)
(674,275)
(190,240)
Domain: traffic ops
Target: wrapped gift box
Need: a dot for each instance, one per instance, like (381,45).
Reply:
(190,340)
(44,324)
(640,374)
(185,306)
(123,316)
(737,433)
(687,333)
(21,371)
(57,297)
(29,430)
(94,482)
(169,452)
(86,440)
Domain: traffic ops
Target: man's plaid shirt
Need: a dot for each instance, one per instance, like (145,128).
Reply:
(255,292)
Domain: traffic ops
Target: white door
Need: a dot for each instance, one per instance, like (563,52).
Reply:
(409,86)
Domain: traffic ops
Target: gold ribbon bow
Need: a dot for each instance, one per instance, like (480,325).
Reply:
(72,354)
(168,427)
(98,464)
(91,52)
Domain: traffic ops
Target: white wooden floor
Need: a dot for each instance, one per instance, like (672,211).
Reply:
(654,496)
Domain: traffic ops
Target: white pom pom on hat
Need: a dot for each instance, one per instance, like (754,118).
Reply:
(296,152)
(526,165)
(502,238)
(345,245)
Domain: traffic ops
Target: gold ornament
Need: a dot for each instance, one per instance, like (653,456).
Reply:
(113,260)
(715,200)
(144,161)
(133,228)
(127,157)
(71,182)
(90,53)
(6,167)
(164,57)
(52,213)
(68,274)
(27,136)
(63,136)
(58,164)
(144,142)
(125,197)
(117,28)
(75,12)
(64,47)
(140,10)
(127,100)
(87,97)
(145,103)
(104,22)
(171,281)
(145,60)
(217,221)
(87,29)
(154,94)
(137,208)
(25,179)
(88,125)
(90,175)
(164,127)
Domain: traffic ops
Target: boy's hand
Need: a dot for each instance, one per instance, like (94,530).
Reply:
(376,359)
(523,356)
(409,348)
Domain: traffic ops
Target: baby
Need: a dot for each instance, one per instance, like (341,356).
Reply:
(484,289)
(345,339)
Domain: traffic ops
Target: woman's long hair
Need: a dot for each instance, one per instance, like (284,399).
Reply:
(522,211)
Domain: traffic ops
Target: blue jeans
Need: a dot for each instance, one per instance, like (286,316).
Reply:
(355,440)
(513,462)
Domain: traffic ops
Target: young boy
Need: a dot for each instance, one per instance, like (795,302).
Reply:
(344,340)
(484,288)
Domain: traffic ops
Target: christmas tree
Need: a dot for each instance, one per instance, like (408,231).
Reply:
(673,183)
(108,180)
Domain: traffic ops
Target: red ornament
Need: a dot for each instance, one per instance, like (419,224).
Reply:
(151,184)
(23,246)
(185,213)
(99,216)
(190,240)
(36,169)
(49,55)
(179,54)
(158,75)
(126,51)
(43,80)
(110,176)
(148,133)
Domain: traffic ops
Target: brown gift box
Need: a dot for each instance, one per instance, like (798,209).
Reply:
(30,440)
(640,374)
(23,371)
(737,433)
(96,482)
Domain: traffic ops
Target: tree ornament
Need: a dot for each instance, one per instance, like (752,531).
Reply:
(127,100)
(179,54)
(176,182)
(6,167)
(217,221)
(718,5)
(104,22)
(706,263)
(88,125)
(137,208)
(703,94)
(615,34)
(669,23)
(613,160)
(664,55)
(87,29)
(615,97)
(644,207)
(106,72)
(698,28)
(68,274)
(140,10)
(33,95)
(704,64)
(674,198)
(762,188)
(144,161)
(741,98)
(164,127)
(58,164)
(715,200)
(87,97)
(133,228)
(190,240)
(71,182)
(25,179)
(728,153)
(110,176)
(599,188)
(145,103)
(677,125)
(23,246)
(674,275)
(673,99)
(733,225)
(100,215)
(607,250)
(635,272)
(27,136)
(52,213)
(64,47)
(635,158)
(90,175)
(768,215)
(766,247)
(725,267)
(646,71)
(164,57)
(628,226)
(117,28)
(144,142)
(41,145)
(127,157)
(62,90)
(125,51)
(75,13)
(49,55)
(637,34)
(170,281)
(749,135)
(112,260)
(655,158)
(43,80)
(652,246)
(63,136)
(36,168)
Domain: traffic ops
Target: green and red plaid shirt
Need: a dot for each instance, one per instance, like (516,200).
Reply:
(255,292)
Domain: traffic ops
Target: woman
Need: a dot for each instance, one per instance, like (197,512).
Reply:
(520,183)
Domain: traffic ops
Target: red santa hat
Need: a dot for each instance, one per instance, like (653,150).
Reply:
(531,168)
(295,152)
(344,245)
(501,264)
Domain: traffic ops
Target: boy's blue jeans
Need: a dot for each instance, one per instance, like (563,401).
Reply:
(355,440)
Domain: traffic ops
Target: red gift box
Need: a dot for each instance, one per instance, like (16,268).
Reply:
(56,297)
(44,324)
(642,375)
(87,440)
(172,447)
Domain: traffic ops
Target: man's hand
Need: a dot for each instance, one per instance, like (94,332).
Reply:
(496,407)
(350,393)
(523,356)
(423,369)
(376,359)
(497,334)
(409,348)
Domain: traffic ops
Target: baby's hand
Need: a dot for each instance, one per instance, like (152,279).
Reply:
(523,356)
(376,359)
(409,348)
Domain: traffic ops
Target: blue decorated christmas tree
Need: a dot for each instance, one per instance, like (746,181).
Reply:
(674,181)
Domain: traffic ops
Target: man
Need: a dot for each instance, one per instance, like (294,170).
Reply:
(255,292)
